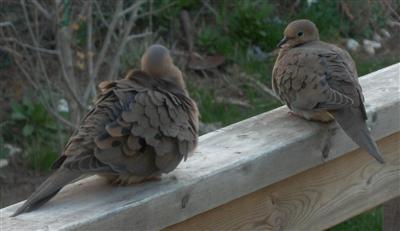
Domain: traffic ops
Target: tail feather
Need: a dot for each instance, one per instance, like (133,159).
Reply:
(352,122)
(47,190)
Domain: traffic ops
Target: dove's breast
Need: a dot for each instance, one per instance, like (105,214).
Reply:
(299,78)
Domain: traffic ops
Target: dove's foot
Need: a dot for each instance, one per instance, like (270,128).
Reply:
(295,114)
(316,116)
(327,141)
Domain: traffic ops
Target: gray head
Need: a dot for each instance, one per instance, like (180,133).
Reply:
(156,60)
(299,32)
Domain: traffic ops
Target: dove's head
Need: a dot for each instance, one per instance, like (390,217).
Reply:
(299,32)
(157,62)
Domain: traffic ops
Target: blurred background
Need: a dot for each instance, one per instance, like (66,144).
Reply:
(53,53)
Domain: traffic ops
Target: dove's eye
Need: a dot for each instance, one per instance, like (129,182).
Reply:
(300,33)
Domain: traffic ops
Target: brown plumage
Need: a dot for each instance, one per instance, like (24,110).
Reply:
(140,127)
(319,81)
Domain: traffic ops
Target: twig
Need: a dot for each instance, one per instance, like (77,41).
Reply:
(154,12)
(141,35)
(103,20)
(151,15)
(263,87)
(56,115)
(61,119)
(123,41)
(40,49)
(4,24)
(41,9)
(234,101)
(134,6)
(41,64)
(346,10)
(90,53)
(390,7)
(207,4)
(104,49)
(66,60)
(12,52)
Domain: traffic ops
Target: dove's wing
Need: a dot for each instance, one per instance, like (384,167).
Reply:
(342,76)
(300,79)
(134,129)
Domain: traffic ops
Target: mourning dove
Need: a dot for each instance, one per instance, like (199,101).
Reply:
(319,81)
(140,127)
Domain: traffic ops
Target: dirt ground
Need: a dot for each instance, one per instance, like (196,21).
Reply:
(17,182)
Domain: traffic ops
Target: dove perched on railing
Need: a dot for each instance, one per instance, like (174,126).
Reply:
(140,127)
(319,81)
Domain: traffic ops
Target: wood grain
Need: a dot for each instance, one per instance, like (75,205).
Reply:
(313,200)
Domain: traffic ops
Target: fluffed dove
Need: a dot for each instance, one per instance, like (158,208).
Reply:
(140,127)
(319,81)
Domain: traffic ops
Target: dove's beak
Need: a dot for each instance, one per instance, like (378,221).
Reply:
(283,41)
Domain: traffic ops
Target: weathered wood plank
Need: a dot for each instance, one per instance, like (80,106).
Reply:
(229,163)
(313,200)
(391,214)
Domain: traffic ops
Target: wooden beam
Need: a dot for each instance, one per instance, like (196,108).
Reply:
(228,164)
(313,200)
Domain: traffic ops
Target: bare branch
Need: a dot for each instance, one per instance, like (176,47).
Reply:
(103,20)
(141,35)
(90,52)
(4,24)
(42,10)
(66,60)
(210,8)
(40,90)
(263,87)
(153,12)
(61,119)
(40,49)
(11,51)
(104,49)
(128,27)
(133,7)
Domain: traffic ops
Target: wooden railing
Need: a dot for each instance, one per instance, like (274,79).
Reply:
(266,172)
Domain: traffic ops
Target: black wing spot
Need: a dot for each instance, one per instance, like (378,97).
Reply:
(115,143)
(143,144)
(125,131)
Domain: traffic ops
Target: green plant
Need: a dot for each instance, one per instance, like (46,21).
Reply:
(368,221)
(36,131)
(252,23)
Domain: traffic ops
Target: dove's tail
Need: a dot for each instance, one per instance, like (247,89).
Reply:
(47,190)
(352,122)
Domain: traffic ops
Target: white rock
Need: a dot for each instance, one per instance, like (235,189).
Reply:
(385,33)
(257,53)
(372,43)
(3,163)
(370,46)
(62,105)
(392,23)
(310,2)
(377,37)
(352,44)
(12,149)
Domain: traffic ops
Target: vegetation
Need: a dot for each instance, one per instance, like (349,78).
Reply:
(244,32)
